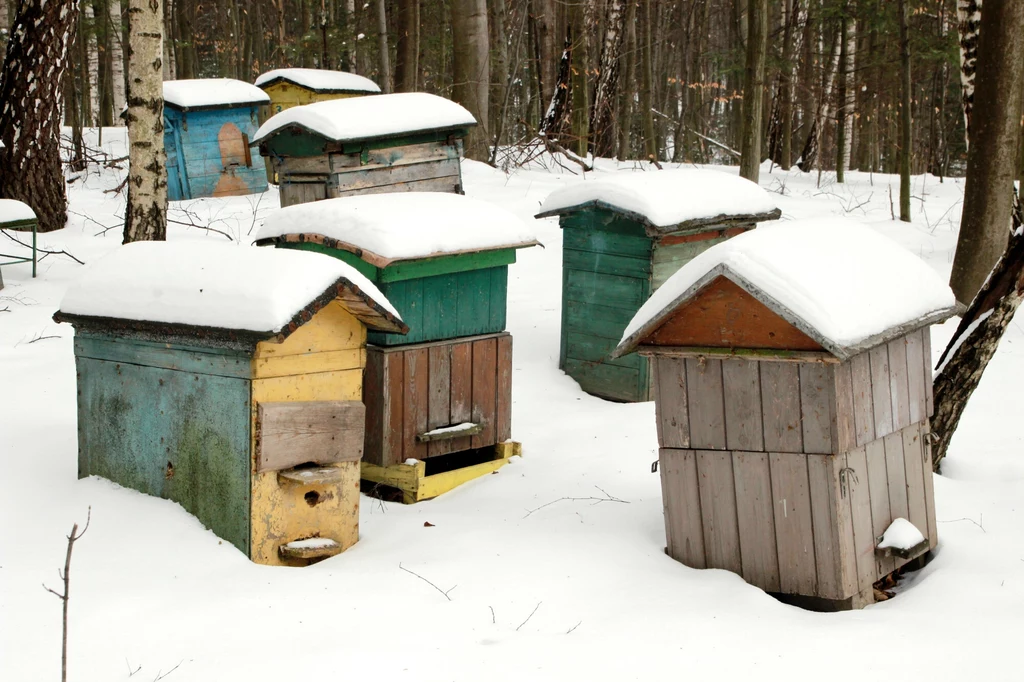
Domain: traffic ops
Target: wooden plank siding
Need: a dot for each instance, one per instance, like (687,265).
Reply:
(836,447)
(210,153)
(606,277)
(421,387)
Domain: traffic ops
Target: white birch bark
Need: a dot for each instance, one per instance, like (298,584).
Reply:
(146,214)
(968,14)
(117,58)
(850,105)
(93,66)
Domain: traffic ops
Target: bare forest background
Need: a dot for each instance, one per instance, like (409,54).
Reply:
(657,80)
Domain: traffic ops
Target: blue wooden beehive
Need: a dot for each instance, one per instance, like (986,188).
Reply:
(208,124)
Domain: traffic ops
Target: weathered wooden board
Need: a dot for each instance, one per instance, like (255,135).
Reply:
(668,257)
(503,393)
(672,412)
(294,433)
(705,398)
(781,392)
(433,385)
(756,520)
(926,352)
(485,386)
(439,409)
(863,405)
(718,510)
(929,484)
(881,395)
(913,456)
(178,435)
(896,471)
(415,404)
(846,428)
(859,496)
(794,529)
(212,361)
(684,527)
(899,387)
(741,386)
(878,485)
(836,566)
(917,376)
(818,408)
(722,315)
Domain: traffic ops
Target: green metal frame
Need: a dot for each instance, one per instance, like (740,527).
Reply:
(21,226)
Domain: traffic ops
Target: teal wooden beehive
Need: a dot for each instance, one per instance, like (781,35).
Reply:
(622,237)
(441,259)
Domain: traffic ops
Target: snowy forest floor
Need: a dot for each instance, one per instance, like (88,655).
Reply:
(545,580)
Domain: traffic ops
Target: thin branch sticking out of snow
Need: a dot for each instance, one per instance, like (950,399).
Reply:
(595,500)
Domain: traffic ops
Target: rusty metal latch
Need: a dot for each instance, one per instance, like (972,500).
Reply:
(654,466)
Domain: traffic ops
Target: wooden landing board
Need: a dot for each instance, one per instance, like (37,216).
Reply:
(323,432)
(417,486)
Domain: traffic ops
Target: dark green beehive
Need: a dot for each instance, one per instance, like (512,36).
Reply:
(623,235)
(441,259)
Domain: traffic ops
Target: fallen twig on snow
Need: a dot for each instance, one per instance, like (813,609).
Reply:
(595,500)
(530,616)
(428,582)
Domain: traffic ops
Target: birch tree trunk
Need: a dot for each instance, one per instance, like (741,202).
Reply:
(117,59)
(31,98)
(991,159)
(471,69)
(351,33)
(753,89)
(93,65)
(146,213)
(602,123)
(968,14)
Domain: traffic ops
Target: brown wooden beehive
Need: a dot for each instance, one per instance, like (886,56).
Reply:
(789,444)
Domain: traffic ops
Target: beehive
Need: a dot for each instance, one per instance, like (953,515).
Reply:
(229,380)
(407,142)
(15,215)
(445,387)
(294,87)
(208,125)
(792,372)
(622,237)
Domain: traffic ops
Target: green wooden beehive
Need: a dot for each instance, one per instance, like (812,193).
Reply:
(441,259)
(405,142)
(622,237)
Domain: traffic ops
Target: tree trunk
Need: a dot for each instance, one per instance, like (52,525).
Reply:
(601,124)
(553,123)
(906,139)
(968,14)
(842,97)
(351,35)
(471,70)
(581,21)
(991,159)
(548,59)
(622,122)
(146,213)
(31,96)
(408,46)
(383,53)
(977,339)
(791,9)
(647,85)
(753,89)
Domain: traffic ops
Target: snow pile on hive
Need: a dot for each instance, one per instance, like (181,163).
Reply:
(403,226)
(220,286)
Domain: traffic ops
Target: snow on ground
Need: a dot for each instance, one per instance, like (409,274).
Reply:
(554,567)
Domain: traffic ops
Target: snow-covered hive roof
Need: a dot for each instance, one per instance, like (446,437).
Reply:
(369,118)
(668,200)
(319,80)
(210,93)
(385,228)
(215,289)
(841,283)
(14,211)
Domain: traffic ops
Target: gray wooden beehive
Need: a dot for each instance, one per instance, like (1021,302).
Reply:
(792,371)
